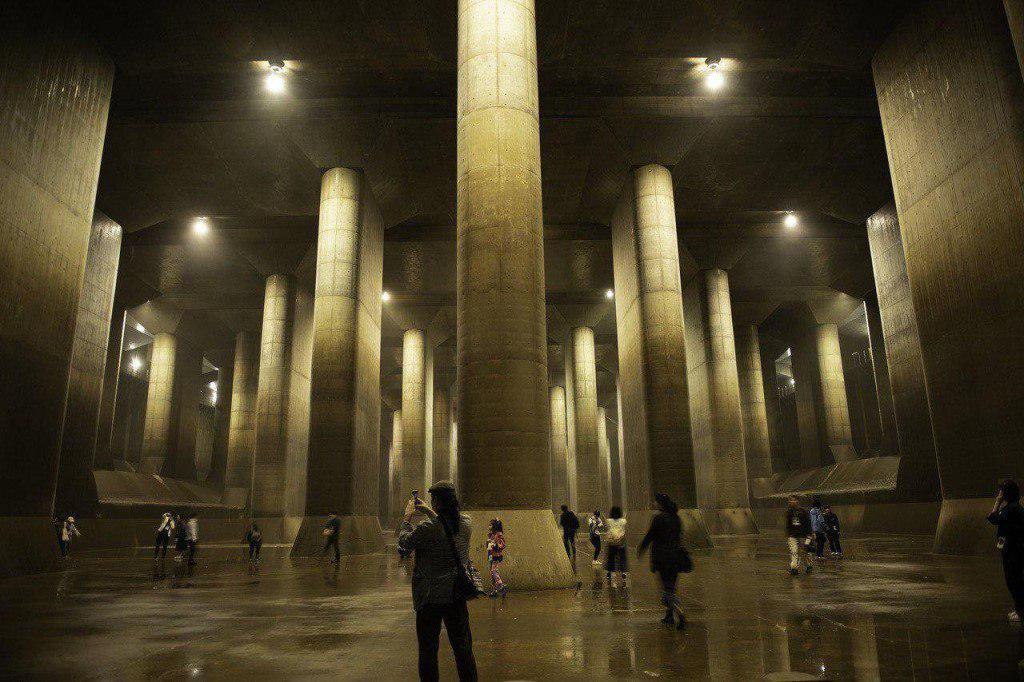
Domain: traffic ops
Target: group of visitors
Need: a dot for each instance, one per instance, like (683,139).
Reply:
(807,531)
(184,529)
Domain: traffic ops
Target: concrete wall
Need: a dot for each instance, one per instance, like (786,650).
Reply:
(951,99)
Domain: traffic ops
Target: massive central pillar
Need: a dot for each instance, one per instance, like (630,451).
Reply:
(413,411)
(242,424)
(657,453)
(268,483)
(156,438)
(591,493)
(756,441)
(502,351)
(835,413)
(344,423)
(559,472)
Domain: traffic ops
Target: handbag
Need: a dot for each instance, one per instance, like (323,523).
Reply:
(683,561)
(468,583)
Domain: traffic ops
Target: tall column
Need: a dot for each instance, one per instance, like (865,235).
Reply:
(157,436)
(188,377)
(559,473)
(880,374)
(832,392)
(570,422)
(441,435)
(218,462)
(756,441)
(731,494)
(805,374)
(413,404)
(396,496)
(242,425)
(344,426)
(657,445)
(604,458)
(590,489)
(269,458)
(54,108)
(88,356)
(502,345)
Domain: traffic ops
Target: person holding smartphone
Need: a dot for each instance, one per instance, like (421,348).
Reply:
(1008,518)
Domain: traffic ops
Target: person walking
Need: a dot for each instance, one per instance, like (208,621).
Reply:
(668,556)
(332,531)
(255,539)
(614,531)
(67,531)
(180,538)
(1008,518)
(192,537)
(441,550)
(495,555)
(594,525)
(570,526)
(832,531)
(798,536)
(163,536)
(817,527)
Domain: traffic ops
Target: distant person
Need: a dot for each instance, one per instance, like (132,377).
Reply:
(332,531)
(163,536)
(1008,518)
(614,532)
(570,526)
(496,555)
(594,525)
(192,537)
(65,532)
(255,539)
(180,538)
(441,548)
(668,556)
(817,527)
(798,536)
(832,531)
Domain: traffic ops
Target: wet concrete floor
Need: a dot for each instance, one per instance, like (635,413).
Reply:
(890,610)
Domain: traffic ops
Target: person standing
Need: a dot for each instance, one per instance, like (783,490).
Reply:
(668,556)
(832,531)
(817,527)
(441,548)
(614,532)
(192,537)
(163,536)
(180,538)
(255,539)
(594,525)
(1008,518)
(570,526)
(68,530)
(332,531)
(798,535)
(495,555)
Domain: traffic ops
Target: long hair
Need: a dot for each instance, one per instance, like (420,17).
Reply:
(615,513)
(496,526)
(1011,491)
(666,503)
(446,504)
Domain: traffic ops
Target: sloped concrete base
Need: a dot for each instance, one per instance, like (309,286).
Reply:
(535,558)
(963,529)
(359,535)
(735,521)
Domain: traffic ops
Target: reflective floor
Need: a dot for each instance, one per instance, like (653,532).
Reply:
(889,610)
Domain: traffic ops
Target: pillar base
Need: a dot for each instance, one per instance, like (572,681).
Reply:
(732,521)
(695,530)
(359,535)
(535,558)
(963,528)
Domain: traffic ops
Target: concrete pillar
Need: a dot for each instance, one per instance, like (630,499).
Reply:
(88,356)
(657,444)
(880,373)
(591,493)
(835,413)
(104,458)
(413,415)
(614,472)
(604,458)
(756,441)
(1015,18)
(805,374)
(731,495)
(559,473)
(56,96)
(269,458)
(441,435)
(570,422)
(188,379)
(397,496)
(219,460)
(242,425)
(157,436)
(502,345)
(344,428)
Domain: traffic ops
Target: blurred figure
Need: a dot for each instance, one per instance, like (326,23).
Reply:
(1008,518)
(332,531)
(817,527)
(798,536)
(65,533)
(668,556)
(570,526)
(594,524)
(255,539)
(495,555)
(614,532)
(832,531)
(192,537)
(163,536)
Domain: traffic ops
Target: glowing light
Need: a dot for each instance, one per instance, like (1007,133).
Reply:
(715,81)
(139,328)
(609,294)
(385,296)
(136,363)
(213,385)
(274,83)
(201,226)
(791,221)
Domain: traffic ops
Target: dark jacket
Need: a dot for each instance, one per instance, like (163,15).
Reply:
(434,567)
(798,522)
(569,523)
(831,522)
(664,538)
(1009,523)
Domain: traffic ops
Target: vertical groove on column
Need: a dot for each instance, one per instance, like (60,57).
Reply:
(441,435)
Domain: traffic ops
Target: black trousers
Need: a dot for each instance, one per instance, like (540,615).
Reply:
(595,540)
(333,540)
(254,551)
(833,542)
(819,544)
(455,617)
(192,552)
(160,546)
(615,559)
(569,540)
(1013,571)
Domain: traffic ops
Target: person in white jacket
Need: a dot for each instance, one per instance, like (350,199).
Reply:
(613,530)
(68,530)
(163,536)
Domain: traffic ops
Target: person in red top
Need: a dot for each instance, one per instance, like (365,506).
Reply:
(495,555)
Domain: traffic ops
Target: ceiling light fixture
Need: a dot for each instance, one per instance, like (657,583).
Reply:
(609,294)
(136,363)
(274,82)
(715,79)
(201,226)
(791,221)
(385,296)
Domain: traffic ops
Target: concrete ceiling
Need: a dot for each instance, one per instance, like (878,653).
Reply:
(371,84)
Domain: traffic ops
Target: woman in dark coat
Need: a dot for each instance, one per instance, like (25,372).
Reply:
(667,555)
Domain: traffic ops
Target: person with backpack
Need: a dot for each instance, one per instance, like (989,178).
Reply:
(668,556)
(570,526)
(255,539)
(614,532)
(798,536)
(832,531)
(163,536)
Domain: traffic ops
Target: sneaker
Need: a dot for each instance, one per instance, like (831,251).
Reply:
(794,572)
(1013,617)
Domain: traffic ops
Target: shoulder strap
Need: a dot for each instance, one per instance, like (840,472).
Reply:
(451,542)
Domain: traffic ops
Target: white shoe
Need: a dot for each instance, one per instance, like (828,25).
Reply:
(1013,617)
